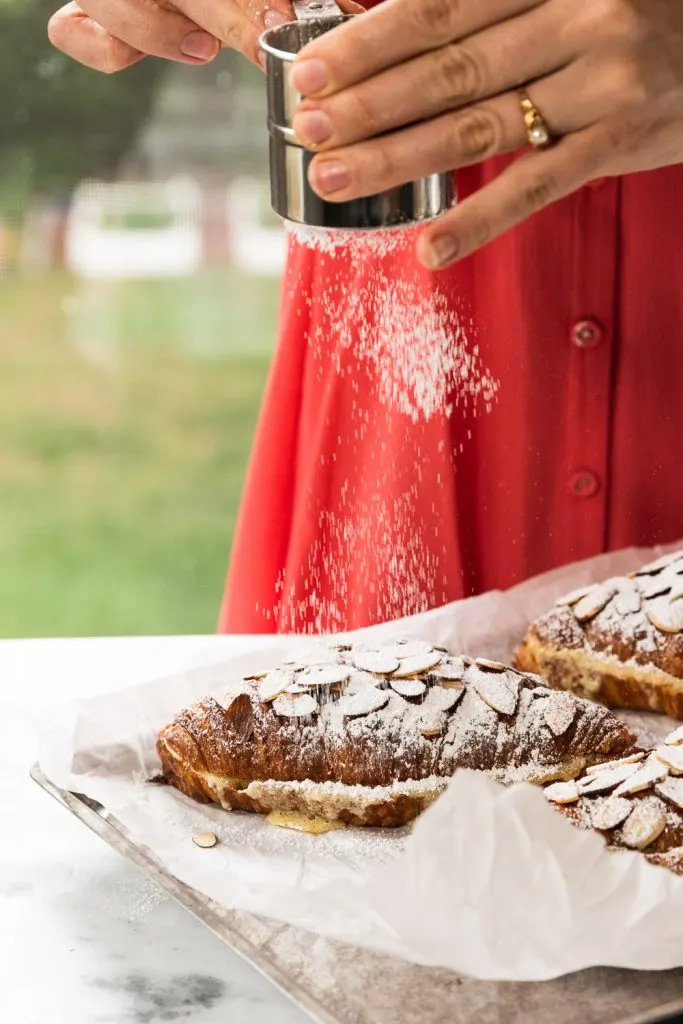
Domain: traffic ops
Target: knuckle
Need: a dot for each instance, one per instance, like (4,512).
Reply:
(436,18)
(379,165)
(541,192)
(628,82)
(476,134)
(58,29)
(361,113)
(458,74)
(232,33)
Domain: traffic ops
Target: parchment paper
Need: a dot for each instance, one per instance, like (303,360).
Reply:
(490,882)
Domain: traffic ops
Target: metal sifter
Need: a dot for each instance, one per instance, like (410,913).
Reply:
(291,195)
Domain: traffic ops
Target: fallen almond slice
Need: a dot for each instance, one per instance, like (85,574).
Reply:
(408,687)
(671,790)
(323,675)
(646,823)
(495,691)
(672,757)
(295,705)
(205,840)
(562,793)
(567,600)
(364,703)
(443,698)
(449,669)
(593,603)
(559,711)
(605,780)
(595,769)
(490,666)
(666,616)
(646,776)
(417,664)
(375,661)
(675,737)
(610,812)
(408,649)
(255,676)
(432,723)
(274,683)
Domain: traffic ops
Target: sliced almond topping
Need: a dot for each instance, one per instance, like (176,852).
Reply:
(660,587)
(610,812)
(666,616)
(593,603)
(320,655)
(295,705)
(605,780)
(498,691)
(562,793)
(675,737)
(408,649)
(628,601)
(646,823)
(672,757)
(671,790)
(662,563)
(490,666)
(274,683)
(375,661)
(540,691)
(255,676)
(364,703)
(359,681)
(568,600)
(432,723)
(443,698)
(408,687)
(646,776)
(559,711)
(417,664)
(595,769)
(205,839)
(323,675)
(676,592)
(450,669)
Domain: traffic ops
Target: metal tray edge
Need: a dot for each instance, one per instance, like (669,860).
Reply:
(204,909)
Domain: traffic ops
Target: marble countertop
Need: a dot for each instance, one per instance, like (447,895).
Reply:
(85,938)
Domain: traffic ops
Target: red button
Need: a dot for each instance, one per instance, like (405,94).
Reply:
(584,484)
(587,334)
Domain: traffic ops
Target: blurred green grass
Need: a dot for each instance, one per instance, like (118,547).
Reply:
(127,412)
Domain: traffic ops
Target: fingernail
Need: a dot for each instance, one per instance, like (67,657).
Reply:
(309,76)
(312,127)
(199,45)
(331,176)
(272,19)
(441,250)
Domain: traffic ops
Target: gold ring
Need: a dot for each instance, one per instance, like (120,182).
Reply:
(537,130)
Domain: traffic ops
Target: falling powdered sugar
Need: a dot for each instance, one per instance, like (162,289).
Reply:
(392,315)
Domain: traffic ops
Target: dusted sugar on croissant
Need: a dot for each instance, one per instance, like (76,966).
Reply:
(371,736)
(619,642)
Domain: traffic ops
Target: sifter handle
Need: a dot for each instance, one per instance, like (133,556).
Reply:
(314,10)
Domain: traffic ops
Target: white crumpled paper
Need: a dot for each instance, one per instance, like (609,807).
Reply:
(491,882)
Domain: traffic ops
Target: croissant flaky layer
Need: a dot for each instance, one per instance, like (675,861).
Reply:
(619,642)
(371,737)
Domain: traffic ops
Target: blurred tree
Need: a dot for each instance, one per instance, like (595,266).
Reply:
(61,122)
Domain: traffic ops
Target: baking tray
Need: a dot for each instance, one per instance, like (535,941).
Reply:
(341,984)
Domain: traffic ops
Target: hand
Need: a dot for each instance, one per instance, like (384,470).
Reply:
(110,35)
(424,86)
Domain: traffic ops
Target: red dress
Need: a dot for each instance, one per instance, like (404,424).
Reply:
(362,504)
